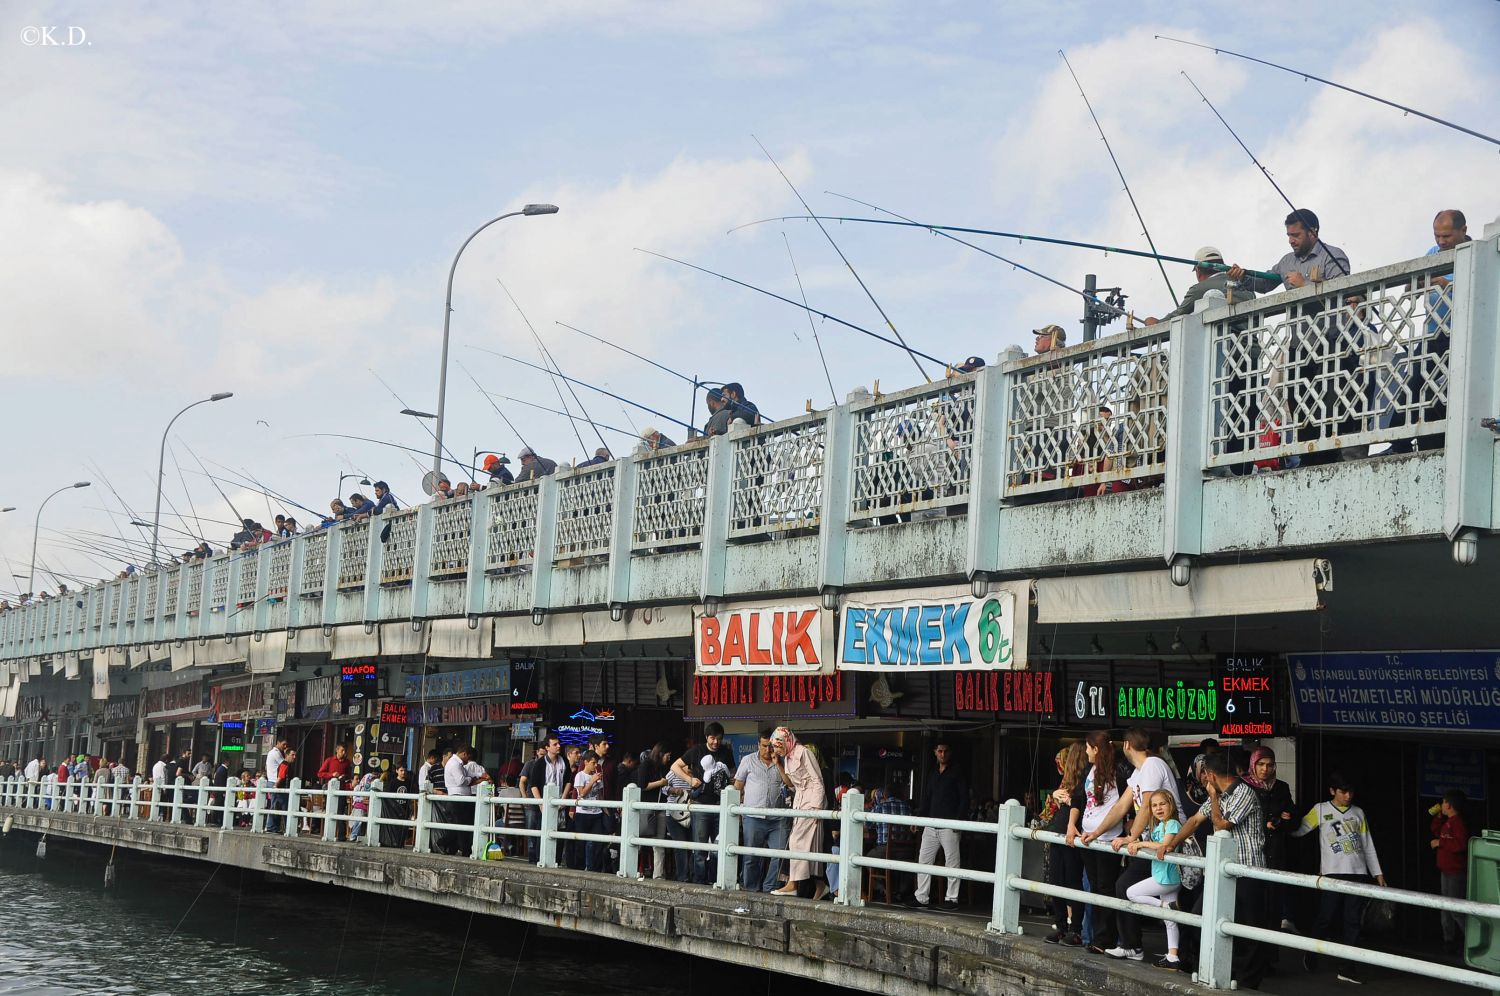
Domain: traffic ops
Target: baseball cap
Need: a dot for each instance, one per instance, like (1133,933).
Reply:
(970,365)
(490,460)
(649,432)
(1208,254)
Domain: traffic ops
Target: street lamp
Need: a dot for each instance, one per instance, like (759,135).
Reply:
(343,477)
(161,460)
(437,448)
(37,528)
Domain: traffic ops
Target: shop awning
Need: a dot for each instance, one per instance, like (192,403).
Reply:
(268,655)
(1223,590)
(350,642)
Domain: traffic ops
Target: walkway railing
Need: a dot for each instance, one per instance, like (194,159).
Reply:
(1348,363)
(469,824)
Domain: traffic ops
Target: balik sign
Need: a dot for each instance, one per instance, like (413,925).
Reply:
(763,639)
(942,628)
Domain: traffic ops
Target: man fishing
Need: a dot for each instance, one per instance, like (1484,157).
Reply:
(1210,278)
(1310,260)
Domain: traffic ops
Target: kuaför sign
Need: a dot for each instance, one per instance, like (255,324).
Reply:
(937,628)
(763,639)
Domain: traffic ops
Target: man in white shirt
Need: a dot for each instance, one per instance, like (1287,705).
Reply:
(1151,773)
(274,761)
(159,771)
(34,769)
(457,781)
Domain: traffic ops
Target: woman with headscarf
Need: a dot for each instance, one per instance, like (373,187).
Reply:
(395,779)
(801,773)
(1279,812)
(1064,864)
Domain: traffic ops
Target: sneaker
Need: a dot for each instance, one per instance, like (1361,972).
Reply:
(1288,926)
(1134,954)
(915,904)
(1169,963)
(947,906)
(1055,937)
(1347,976)
(1072,940)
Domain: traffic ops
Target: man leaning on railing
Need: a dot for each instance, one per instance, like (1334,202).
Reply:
(1233,805)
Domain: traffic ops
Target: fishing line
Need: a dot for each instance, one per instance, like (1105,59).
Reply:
(591,387)
(810,324)
(1348,89)
(852,272)
(195,900)
(525,933)
(458,969)
(1121,174)
(548,358)
(567,415)
(1318,241)
(511,425)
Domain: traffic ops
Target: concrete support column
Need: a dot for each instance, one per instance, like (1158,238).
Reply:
(987,457)
(622,535)
(833,527)
(1189,418)
(716,513)
(1469,452)
(546,543)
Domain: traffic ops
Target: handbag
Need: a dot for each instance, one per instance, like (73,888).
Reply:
(1192,878)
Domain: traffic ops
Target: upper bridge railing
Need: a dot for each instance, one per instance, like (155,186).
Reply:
(1391,355)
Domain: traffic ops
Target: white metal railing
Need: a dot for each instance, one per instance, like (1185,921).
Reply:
(1357,360)
(398,539)
(470,824)
(912,450)
(218,582)
(279,570)
(585,512)
(511,521)
(249,562)
(173,587)
(451,522)
(777,477)
(354,552)
(1091,414)
(671,489)
(314,564)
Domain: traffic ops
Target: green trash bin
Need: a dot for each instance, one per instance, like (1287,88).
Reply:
(1481,943)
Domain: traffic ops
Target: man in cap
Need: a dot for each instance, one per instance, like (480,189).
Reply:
(601,455)
(654,440)
(1210,278)
(496,467)
(534,467)
(967,366)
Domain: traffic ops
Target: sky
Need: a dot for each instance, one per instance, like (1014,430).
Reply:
(266,199)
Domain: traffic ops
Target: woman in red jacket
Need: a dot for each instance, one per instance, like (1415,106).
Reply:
(1450,844)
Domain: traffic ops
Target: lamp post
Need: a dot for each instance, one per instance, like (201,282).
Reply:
(37,528)
(344,477)
(161,460)
(437,448)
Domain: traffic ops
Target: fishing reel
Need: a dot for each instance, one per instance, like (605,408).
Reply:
(1101,305)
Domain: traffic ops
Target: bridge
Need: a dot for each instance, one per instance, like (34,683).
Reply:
(847,943)
(974,479)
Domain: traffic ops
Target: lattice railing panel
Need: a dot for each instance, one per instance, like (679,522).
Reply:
(218,578)
(913,451)
(451,521)
(671,491)
(314,564)
(1363,361)
(249,568)
(153,588)
(130,599)
(279,568)
(1088,415)
(511,521)
(100,597)
(777,478)
(194,594)
(173,592)
(354,554)
(585,513)
(115,595)
(398,539)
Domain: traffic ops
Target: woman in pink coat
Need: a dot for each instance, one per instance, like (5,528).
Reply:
(801,773)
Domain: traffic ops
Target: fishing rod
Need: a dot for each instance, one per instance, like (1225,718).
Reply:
(1318,241)
(1348,89)
(505,418)
(815,311)
(183,481)
(1121,174)
(554,411)
(802,292)
(660,366)
(109,485)
(591,387)
(408,408)
(261,487)
(211,478)
(1090,298)
(986,231)
(364,439)
(854,273)
(549,360)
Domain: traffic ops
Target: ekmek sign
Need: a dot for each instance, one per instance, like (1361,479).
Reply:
(938,628)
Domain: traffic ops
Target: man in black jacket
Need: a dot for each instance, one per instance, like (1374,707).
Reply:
(944,797)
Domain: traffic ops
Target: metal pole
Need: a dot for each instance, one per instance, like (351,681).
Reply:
(1090,320)
(437,442)
(161,460)
(36,529)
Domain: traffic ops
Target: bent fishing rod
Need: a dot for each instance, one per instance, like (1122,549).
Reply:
(812,325)
(1316,239)
(1121,174)
(408,409)
(795,304)
(1018,236)
(1339,86)
(591,387)
(486,395)
(549,360)
(1090,298)
(554,411)
(852,272)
